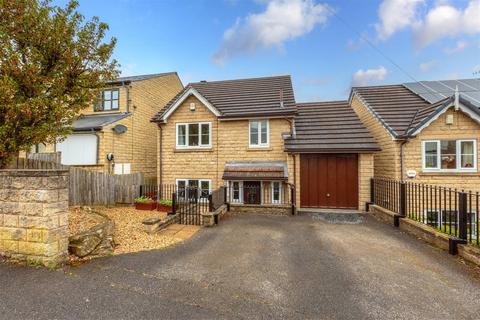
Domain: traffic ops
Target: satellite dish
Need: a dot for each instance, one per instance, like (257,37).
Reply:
(120,128)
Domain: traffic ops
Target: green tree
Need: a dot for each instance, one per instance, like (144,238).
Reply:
(52,65)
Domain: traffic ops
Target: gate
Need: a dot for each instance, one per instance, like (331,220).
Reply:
(189,203)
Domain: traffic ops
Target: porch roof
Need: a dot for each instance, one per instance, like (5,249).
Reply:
(255,171)
(97,121)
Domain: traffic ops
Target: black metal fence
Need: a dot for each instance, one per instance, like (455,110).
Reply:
(158,192)
(448,210)
(188,202)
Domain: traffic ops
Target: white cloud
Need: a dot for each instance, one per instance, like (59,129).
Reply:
(396,15)
(427,66)
(459,46)
(282,20)
(444,20)
(365,77)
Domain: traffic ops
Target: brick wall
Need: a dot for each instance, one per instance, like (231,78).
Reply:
(463,127)
(34,216)
(387,161)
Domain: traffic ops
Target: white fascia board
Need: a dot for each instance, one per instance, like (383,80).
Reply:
(462,108)
(370,109)
(184,96)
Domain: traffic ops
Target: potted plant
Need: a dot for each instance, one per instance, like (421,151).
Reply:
(145,203)
(165,205)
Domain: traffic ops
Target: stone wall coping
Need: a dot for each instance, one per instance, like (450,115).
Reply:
(277,206)
(33,172)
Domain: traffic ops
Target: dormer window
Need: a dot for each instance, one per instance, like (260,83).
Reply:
(109,100)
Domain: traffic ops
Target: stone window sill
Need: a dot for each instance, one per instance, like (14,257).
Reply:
(455,174)
(260,149)
(196,150)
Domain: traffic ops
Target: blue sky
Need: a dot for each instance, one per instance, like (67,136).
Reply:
(322,44)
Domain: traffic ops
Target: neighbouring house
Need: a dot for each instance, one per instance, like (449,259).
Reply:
(114,135)
(251,136)
(428,131)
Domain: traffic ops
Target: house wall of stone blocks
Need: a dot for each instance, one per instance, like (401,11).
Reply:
(463,127)
(229,142)
(34,216)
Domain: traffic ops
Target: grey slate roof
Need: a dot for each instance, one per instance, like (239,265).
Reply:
(403,108)
(394,105)
(329,127)
(245,97)
(140,77)
(434,91)
(97,121)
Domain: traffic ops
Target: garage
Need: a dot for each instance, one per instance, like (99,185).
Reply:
(79,149)
(332,155)
(329,181)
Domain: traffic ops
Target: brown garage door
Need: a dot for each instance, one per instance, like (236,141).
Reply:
(329,181)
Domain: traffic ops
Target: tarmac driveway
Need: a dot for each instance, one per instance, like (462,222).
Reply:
(253,267)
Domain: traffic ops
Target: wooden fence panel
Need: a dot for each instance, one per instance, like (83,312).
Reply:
(88,187)
(96,188)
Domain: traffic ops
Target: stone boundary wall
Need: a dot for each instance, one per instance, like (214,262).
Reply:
(34,216)
(280,210)
(421,231)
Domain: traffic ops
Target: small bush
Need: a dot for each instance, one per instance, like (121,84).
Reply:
(143,199)
(165,202)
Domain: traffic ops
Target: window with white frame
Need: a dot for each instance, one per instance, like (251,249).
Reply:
(193,188)
(276,191)
(236,191)
(449,155)
(193,135)
(449,219)
(259,132)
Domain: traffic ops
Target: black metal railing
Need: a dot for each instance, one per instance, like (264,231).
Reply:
(386,193)
(448,210)
(265,194)
(189,203)
(158,192)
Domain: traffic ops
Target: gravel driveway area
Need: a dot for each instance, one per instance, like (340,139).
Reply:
(257,267)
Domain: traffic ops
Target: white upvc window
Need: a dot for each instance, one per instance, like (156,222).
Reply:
(449,155)
(193,135)
(259,133)
(196,187)
(276,191)
(236,191)
(445,219)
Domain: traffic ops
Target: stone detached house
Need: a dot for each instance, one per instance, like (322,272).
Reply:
(428,131)
(114,135)
(251,136)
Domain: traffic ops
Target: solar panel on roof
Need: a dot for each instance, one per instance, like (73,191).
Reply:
(434,91)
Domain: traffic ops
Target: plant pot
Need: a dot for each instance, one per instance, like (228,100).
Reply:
(146,206)
(164,208)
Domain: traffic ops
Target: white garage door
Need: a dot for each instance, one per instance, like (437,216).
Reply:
(79,149)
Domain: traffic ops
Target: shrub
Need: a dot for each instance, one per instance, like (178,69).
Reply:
(143,199)
(165,202)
